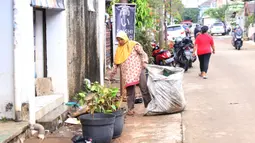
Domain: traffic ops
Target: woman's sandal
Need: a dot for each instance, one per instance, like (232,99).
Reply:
(124,99)
(131,113)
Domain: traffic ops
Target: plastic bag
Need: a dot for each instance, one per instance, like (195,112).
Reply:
(165,87)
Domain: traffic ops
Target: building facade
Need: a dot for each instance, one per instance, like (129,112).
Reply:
(204,19)
(34,46)
(48,46)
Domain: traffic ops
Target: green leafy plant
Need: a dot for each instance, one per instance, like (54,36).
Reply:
(3,119)
(250,20)
(103,99)
(79,97)
(109,9)
(98,98)
(143,37)
(190,14)
(143,16)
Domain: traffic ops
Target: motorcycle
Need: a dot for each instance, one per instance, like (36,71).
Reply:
(153,44)
(183,49)
(162,57)
(237,40)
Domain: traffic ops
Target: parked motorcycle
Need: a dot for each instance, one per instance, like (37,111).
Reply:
(183,49)
(153,44)
(162,57)
(237,40)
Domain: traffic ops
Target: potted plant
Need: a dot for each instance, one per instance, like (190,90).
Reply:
(105,118)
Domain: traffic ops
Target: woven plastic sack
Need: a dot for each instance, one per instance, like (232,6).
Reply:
(165,87)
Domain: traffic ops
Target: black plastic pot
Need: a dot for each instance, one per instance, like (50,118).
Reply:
(119,123)
(100,128)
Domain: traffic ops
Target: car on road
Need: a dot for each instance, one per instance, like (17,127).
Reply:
(174,31)
(218,28)
(192,28)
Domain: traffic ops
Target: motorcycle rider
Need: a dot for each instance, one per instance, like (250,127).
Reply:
(237,31)
(187,30)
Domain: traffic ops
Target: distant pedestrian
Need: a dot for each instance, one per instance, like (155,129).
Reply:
(132,60)
(204,46)
(197,31)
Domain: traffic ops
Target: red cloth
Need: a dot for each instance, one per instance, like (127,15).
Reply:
(204,44)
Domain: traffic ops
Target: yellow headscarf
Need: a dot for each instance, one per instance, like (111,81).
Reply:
(123,52)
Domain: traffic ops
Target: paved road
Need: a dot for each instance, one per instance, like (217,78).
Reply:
(221,109)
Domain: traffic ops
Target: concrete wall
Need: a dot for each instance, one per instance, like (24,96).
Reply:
(83,58)
(57,50)
(17,55)
(39,44)
(6,59)
(23,53)
(251,32)
(209,21)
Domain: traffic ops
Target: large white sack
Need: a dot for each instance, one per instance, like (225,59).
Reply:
(165,87)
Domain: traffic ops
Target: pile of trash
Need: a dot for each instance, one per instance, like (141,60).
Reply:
(165,87)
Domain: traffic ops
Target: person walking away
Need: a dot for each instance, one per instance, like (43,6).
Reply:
(204,46)
(132,61)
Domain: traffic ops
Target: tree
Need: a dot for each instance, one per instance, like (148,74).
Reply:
(191,14)
(175,8)
(143,17)
(217,13)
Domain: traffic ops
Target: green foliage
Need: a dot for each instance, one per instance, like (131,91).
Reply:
(99,98)
(79,97)
(143,37)
(250,20)
(175,8)
(143,13)
(4,119)
(109,9)
(217,13)
(191,14)
(143,17)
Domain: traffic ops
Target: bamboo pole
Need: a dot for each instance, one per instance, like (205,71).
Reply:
(122,84)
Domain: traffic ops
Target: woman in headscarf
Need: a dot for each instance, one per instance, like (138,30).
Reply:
(132,60)
(204,46)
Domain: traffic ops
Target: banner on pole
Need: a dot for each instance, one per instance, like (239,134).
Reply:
(124,15)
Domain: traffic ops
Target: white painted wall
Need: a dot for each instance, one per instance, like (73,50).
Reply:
(251,31)
(101,37)
(209,21)
(57,50)
(39,44)
(23,53)
(6,58)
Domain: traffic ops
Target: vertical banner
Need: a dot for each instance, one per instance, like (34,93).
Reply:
(124,15)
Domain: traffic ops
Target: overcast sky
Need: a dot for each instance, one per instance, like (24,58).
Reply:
(192,3)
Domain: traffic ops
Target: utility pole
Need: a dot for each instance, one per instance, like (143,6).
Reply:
(123,1)
(123,92)
(171,11)
(165,22)
(161,26)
